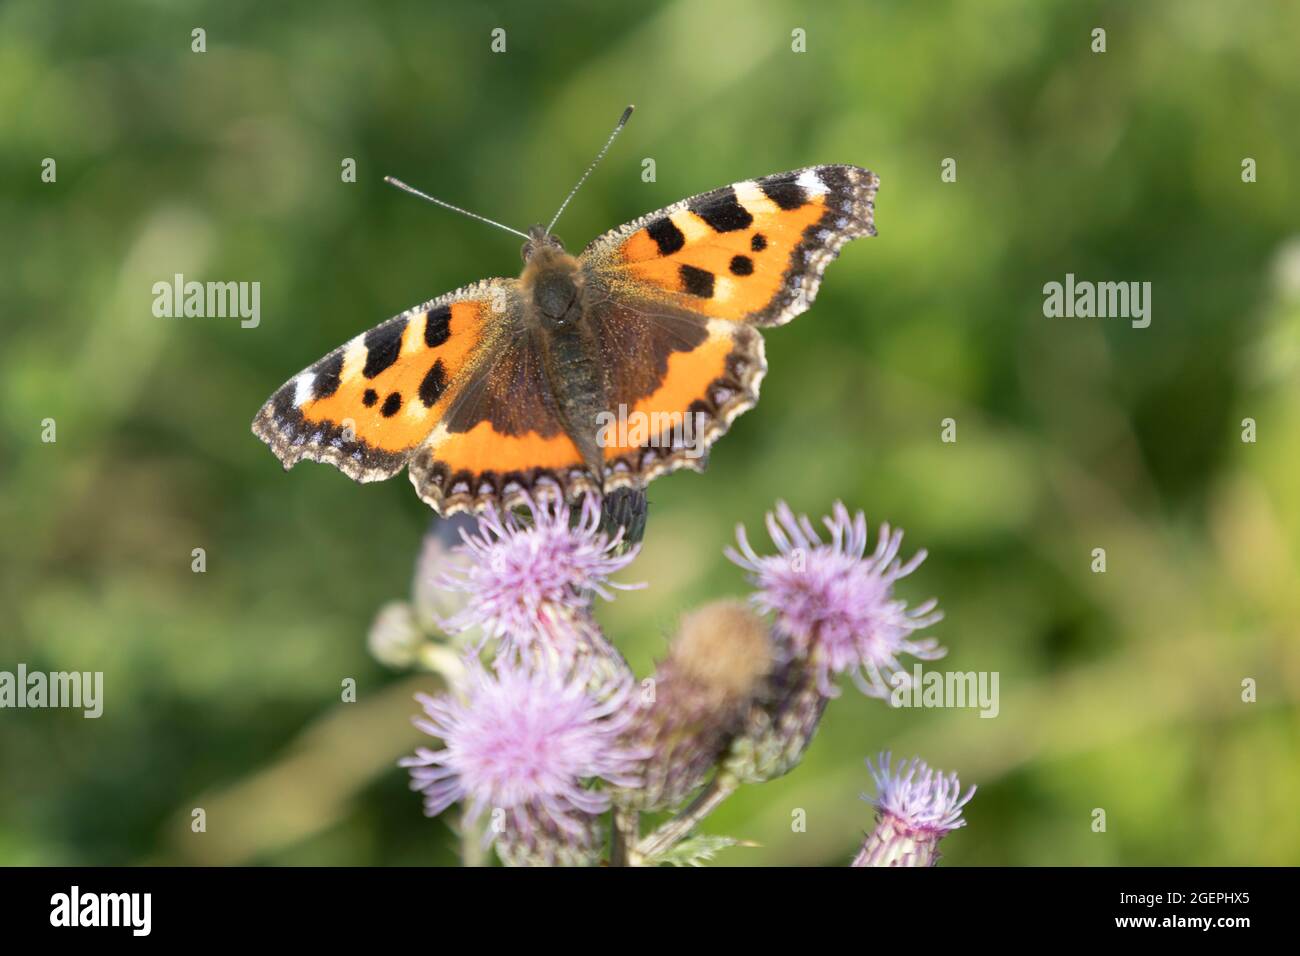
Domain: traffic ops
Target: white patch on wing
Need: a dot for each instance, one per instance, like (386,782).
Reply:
(691,225)
(302,388)
(812,183)
(750,195)
(354,357)
(414,409)
(437,437)
(414,331)
(721,329)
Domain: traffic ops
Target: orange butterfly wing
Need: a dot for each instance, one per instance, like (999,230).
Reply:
(449,388)
(683,289)
(751,252)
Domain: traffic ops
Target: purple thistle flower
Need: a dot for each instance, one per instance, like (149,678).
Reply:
(916,807)
(918,797)
(525,741)
(526,582)
(834,604)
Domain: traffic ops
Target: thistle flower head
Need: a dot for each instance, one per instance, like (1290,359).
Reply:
(524,740)
(834,603)
(916,807)
(527,580)
(916,797)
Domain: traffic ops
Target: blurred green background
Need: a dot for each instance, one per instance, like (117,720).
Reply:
(1119,690)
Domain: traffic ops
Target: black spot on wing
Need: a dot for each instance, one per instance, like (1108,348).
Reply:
(697,282)
(391,405)
(742,266)
(437,327)
(370,397)
(434,384)
(666,236)
(383,344)
(327,372)
(784,191)
(722,211)
(759,242)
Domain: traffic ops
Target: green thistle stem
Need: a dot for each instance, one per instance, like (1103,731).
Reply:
(625,831)
(664,838)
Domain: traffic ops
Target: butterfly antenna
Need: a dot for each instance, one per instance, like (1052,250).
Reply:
(446,205)
(618,128)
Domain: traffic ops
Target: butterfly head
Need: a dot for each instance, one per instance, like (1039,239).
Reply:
(540,239)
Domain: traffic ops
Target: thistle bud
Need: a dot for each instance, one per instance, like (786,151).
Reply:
(529,836)
(778,727)
(715,668)
(395,636)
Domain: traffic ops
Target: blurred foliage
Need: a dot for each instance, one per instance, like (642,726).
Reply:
(1119,690)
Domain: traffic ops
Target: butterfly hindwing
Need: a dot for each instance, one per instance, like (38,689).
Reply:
(752,252)
(500,437)
(675,380)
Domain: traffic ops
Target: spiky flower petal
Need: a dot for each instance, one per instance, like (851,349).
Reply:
(529,580)
(524,743)
(834,604)
(916,807)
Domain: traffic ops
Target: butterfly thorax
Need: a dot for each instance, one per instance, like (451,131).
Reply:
(552,282)
(554,292)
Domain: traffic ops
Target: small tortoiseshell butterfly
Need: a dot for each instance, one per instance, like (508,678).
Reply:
(493,392)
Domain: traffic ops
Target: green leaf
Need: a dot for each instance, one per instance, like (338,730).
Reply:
(696,850)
